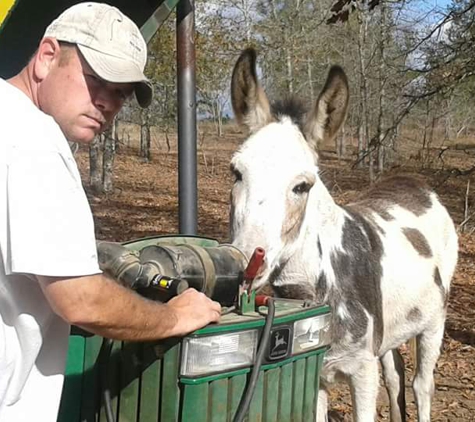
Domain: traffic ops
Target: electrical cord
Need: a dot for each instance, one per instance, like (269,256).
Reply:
(102,363)
(106,349)
(245,402)
(103,366)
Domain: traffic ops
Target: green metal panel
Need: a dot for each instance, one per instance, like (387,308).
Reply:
(309,392)
(271,391)
(285,393)
(170,391)
(298,387)
(195,403)
(151,26)
(113,378)
(257,403)
(145,385)
(129,382)
(218,400)
(284,314)
(70,406)
(235,392)
(150,387)
(90,397)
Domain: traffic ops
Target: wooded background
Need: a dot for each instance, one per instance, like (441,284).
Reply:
(410,66)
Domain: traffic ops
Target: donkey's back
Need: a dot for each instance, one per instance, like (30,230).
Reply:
(398,255)
(418,256)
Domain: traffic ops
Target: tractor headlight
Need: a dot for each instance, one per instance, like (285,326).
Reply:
(218,353)
(311,333)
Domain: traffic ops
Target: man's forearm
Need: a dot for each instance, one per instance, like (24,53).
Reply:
(122,314)
(106,308)
(102,306)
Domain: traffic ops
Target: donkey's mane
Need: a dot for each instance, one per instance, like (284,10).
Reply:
(291,107)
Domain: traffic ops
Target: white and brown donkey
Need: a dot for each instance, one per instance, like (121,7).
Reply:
(383,263)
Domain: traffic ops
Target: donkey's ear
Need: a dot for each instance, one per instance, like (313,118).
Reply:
(330,109)
(250,104)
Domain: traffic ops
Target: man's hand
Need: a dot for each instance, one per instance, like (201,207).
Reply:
(193,310)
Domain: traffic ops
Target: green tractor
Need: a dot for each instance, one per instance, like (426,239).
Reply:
(261,362)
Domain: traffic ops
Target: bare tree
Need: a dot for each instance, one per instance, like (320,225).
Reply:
(95,164)
(145,138)
(109,142)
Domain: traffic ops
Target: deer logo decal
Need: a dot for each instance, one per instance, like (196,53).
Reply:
(279,344)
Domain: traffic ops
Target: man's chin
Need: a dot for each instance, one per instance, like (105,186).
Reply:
(82,137)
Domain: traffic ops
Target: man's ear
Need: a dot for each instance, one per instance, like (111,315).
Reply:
(46,57)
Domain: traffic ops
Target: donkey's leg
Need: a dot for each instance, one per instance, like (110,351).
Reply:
(428,351)
(322,405)
(364,385)
(393,374)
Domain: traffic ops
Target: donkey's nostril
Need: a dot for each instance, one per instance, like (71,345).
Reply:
(262,269)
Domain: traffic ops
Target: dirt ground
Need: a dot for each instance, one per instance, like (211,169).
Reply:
(144,203)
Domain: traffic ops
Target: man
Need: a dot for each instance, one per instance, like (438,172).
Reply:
(89,61)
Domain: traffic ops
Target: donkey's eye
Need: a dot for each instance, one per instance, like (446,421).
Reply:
(237,174)
(301,188)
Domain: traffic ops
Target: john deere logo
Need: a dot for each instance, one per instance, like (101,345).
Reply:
(279,346)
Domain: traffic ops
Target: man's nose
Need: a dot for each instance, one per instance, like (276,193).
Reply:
(105,99)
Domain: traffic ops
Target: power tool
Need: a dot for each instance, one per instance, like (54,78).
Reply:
(161,271)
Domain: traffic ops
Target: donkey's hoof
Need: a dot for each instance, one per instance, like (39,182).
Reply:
(334,416)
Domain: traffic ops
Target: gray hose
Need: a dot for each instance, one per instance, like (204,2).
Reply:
(124,266)
(245,402)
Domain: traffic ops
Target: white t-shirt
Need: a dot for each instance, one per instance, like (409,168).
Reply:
(46,228)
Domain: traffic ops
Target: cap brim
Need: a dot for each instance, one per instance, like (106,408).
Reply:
(118,70)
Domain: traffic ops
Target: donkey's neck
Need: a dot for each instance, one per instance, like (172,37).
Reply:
(326,235)
(316,242)
(330,218)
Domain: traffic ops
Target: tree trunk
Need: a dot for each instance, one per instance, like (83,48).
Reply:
(381,86)
(361,143)
(214,109)
(363,135)
(341,143)
(310,81)
(290,77)
(95,173)
(381,153)
(167,138)
(392,144)
(108,159)
(371,166)
(424,137)
(145,136)
(219,109)
(116,134)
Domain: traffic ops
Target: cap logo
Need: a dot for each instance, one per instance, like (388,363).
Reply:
(134,42)
(112,27)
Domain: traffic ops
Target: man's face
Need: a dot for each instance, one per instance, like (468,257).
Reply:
(81,103)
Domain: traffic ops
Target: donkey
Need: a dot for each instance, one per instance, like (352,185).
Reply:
(384,263)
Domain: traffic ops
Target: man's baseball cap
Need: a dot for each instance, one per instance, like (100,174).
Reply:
(109,41)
